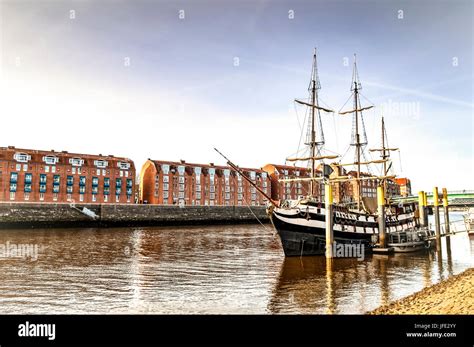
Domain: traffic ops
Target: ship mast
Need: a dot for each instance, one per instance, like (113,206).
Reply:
(385,155)
(355,89)
(314,86)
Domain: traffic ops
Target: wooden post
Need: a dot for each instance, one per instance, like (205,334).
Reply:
(436,213)
(425,204)
(381,216)
(329,221)
(446,211)
(421,208)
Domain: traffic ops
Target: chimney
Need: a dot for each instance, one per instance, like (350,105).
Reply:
(63,151)
(11,147)
(182,161)
(212,164)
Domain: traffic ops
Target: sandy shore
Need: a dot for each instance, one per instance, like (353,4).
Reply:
(452,296)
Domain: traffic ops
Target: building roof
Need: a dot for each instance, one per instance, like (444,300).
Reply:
(37,156)
(403,180)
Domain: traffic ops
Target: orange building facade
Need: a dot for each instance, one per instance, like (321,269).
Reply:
(405,186)
(28,175)
(181,183)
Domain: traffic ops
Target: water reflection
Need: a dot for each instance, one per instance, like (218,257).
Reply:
(217,269)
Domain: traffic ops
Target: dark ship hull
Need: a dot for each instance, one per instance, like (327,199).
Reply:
(302,228)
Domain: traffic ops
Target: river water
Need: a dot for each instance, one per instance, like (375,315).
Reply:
(211,269)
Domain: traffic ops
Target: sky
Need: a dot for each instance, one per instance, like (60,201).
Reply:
(171,80)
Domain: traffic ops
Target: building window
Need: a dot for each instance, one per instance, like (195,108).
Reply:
(98,172)
(212,196)
(181,195)
(13,177)
(50,159)
(165,186)
(101,163)
(103,172)
(18,167)
(94,198)
(13,187)
(165,168)
(106,182)
(128,198)
(69,197)
(166,179)
(106,198)
(76,161)
(95,189)
(82,180)
(198,188)
(82,189)
(53,169)
(27,196)
(106,190)
(123,165)
(117,198)
(198,195)
(95,181)
(12,195)
(27,188)
(227,196)
(181,187)
(21,157)
(212,189)
(28,178)
(41,196)
(70,180)
(165,195)
(81,197)
(55,197)
(73,170)
(126,173)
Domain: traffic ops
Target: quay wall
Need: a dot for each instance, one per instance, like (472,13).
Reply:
(37,215)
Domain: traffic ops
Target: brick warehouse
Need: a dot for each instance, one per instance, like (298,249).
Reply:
(288,190)
(50,176)
(166,182)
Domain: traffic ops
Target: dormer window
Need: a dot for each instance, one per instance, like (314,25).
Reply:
(165,168)
(76,161)
(50,159)
(101,164)
(22,157)
(123,165)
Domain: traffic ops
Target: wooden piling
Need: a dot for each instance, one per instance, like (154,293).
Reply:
(329,221)
(381,216)
(436,213)
(421,207)
(425,204)
(446,212)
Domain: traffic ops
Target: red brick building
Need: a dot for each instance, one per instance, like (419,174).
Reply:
(169,183)
(289,190)
(50,176)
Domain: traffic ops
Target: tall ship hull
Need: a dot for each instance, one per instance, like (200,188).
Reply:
(302,227)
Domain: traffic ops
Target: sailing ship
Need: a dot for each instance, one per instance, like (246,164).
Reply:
(301,224)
